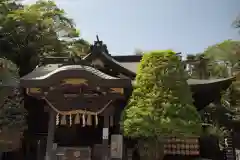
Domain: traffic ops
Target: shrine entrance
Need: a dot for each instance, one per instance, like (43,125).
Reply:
(81,102)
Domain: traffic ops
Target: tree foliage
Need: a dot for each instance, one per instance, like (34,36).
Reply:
(12,112)
(28,32)
(227,52)
(227,55)
(222,60)
(236,23)
(211,67)
(161,103)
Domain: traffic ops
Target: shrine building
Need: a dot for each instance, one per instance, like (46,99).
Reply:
(76,104)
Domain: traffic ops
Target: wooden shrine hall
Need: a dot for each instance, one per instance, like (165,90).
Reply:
(81,100)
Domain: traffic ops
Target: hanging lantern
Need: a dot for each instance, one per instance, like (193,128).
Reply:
(63,120)
(77,119)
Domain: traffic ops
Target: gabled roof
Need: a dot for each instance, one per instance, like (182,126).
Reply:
(109,60)
(47,71)
(46,74)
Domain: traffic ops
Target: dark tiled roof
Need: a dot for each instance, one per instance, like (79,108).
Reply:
(41,71)
(193,82)
(128,58)
(46,71)
(111,61)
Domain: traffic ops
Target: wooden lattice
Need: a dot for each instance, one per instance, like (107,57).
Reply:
(179,146)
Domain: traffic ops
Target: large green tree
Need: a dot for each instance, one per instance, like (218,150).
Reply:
(222,60)
(12,112)
(161,103)
(32,31)
(226,53)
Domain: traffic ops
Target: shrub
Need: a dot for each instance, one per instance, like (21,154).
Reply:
(161,103)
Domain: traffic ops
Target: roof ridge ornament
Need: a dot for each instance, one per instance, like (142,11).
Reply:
(99,47)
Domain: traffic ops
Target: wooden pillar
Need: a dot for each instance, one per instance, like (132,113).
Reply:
(50,152)
(105,138)
(38,149)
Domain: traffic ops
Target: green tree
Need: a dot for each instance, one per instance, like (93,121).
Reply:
(225,53)
(236,23)
(32,31)
(222,60)
(12,113)
(210,68)
(161,103)
(225,57)
(79,47)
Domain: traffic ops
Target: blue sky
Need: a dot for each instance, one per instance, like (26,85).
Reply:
(187,26)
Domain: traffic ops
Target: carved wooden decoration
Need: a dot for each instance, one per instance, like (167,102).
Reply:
(34,90)
(74,81)
(188,146)
(117,90)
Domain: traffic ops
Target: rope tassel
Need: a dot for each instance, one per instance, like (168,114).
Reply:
(89,120)
(63,120)
(57,119)
(83,120)
(77,119)
(76,112)
(96,120)
(70,120)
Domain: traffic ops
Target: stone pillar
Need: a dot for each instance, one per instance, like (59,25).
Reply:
(116,147)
